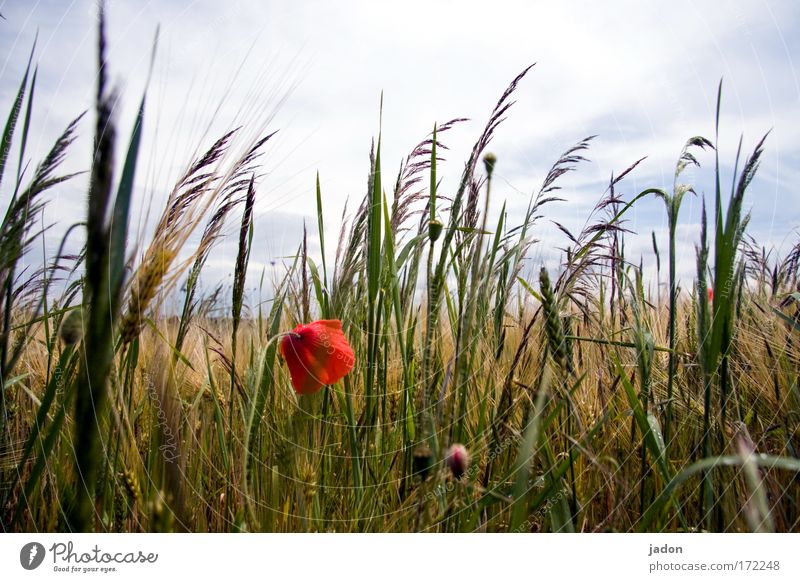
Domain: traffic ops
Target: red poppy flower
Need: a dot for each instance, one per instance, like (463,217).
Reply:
(317,354)
(710,294)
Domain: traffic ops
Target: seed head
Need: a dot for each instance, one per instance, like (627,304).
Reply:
(131,485)
(560,347)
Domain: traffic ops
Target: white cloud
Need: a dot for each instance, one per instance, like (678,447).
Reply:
(642,75)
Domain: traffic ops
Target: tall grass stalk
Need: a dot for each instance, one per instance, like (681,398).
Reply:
(672,203)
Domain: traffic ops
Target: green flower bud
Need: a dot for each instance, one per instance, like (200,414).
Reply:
(71,331)
(423,462)
(434,229)
(489,160)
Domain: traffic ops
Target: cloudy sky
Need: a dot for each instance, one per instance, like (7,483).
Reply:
(642,76)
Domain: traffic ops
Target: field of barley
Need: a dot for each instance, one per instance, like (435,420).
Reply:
(431,378)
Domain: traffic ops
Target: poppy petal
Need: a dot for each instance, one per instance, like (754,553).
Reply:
(317,354)
(295,354)
(333,349)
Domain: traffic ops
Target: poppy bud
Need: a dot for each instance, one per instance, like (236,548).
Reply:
(489,160)
(434,229)
(423,461)
(457,459)
(71,330)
